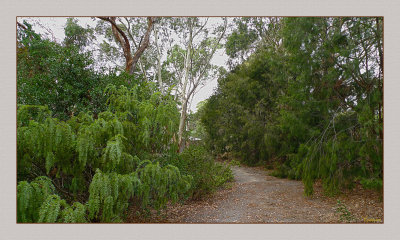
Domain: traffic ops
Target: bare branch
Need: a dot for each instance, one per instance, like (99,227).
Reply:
(201,28)
(21,26)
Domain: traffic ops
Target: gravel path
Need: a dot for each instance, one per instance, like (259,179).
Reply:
(256,197)
(259,198)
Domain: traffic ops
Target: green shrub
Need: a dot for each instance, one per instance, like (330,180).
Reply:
(109,195)
(96,159)
(31,196)
(37,202)
(312,116)
(372,183)
(234,163)
(207,174)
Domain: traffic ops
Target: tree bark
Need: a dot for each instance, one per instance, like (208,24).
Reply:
(182,126)
(122,39)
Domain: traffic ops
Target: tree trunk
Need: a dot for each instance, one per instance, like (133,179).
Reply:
(158,60)
(182,126)
(183,96)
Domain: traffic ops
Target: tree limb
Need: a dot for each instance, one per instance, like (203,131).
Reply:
(134,43)
(124,43)
(144,45)
(21,26)
(131,61)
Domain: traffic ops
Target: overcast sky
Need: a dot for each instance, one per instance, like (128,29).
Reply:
(55,25)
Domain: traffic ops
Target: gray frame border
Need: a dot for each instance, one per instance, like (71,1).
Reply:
(10,9)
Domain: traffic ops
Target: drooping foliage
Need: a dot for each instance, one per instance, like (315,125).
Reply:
(70,151)
(310,106)
(31,196)
(109,195)
(105,163)
(37,202)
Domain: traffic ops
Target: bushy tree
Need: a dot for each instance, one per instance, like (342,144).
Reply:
(311,104)
(57,76)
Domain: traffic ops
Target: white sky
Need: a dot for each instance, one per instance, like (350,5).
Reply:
(55,25)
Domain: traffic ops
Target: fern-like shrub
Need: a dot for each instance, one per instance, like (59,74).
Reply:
(30,197)
(109,195)
(160,184)
(91,165)
(77,213)
(37,202)
(151,185)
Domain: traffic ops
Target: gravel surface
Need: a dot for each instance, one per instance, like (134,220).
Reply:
(256,197)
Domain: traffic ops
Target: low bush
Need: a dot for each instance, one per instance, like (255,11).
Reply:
(207,174)
(372,183)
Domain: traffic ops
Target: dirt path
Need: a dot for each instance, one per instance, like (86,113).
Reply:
(259,198)
(256,197)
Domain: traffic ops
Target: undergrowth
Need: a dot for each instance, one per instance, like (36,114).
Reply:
(89,169)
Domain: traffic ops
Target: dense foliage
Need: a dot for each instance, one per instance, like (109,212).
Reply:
(125,154)
(206,173)
(308,102)
(61,76)
(88,150)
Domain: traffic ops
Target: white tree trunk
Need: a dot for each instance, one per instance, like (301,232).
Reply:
(158,59)
(183,94)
